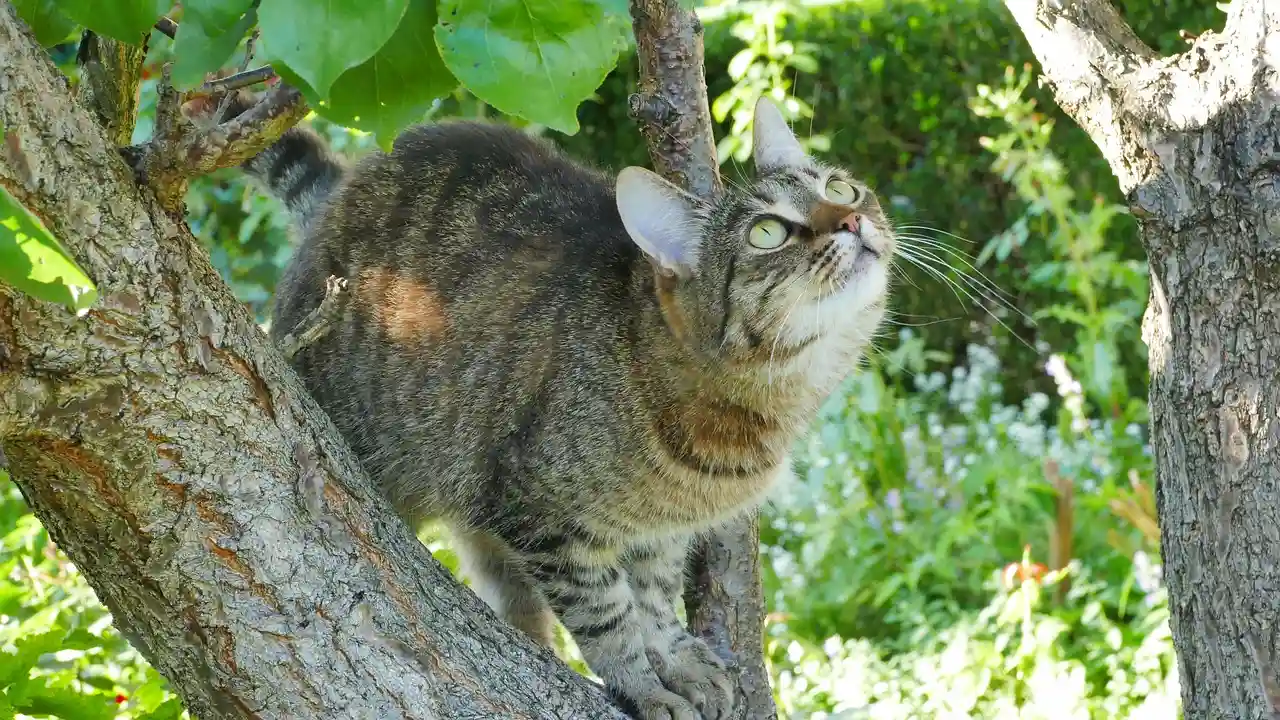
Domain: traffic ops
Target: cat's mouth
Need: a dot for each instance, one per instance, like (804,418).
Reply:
(841,277)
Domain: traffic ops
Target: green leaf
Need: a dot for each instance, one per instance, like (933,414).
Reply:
(63,702)
(199,50)
(33,261)
(27,651)
(170,710)
(46,21)
(215,16)
(128,21)
(537,59)
(396,87)
(320,40)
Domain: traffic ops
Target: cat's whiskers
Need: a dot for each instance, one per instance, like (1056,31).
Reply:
(964,290)
(927,228)
(969,275)
(966,267)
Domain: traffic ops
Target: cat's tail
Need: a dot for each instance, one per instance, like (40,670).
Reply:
(299,169)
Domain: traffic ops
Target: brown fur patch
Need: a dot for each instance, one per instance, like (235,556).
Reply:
(406,309)
(714,436)
(665,288)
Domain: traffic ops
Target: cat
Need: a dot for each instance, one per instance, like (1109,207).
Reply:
(578,373)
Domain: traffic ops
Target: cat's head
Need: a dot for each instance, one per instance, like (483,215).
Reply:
(762,273)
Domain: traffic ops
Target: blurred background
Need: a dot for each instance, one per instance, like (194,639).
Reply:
(973,531)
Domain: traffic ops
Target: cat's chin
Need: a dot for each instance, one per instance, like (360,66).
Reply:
(862,284)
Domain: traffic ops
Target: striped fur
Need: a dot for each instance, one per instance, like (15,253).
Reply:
(513,363)
(299,169)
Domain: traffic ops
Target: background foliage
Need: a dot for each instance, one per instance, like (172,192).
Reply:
(973,530)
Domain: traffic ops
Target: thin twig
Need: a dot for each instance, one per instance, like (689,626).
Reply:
(244,65)
(241,79)
(234,82)
(318,322)
(167,27)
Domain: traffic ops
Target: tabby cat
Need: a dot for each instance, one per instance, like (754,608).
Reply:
(578,373)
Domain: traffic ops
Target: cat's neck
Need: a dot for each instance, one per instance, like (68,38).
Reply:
(740,409)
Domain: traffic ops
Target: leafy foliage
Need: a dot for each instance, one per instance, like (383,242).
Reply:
(320,41)
(762,68)
(59,654)
(125,20)
(408,67)
(533,58)
(380,66)
(33,261)
(203,43)
(1102,293)
(50,25)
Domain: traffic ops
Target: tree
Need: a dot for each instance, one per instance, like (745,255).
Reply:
(1194,140)
(171,452)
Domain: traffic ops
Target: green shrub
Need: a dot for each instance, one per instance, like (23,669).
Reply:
(1019,657)
(60,656)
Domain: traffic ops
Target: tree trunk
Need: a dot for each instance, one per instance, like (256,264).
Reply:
(1195,143)
(725,600)
(175,457)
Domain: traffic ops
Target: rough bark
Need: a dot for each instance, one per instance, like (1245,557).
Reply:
(1195,142)
(725,599)
(179,462)
(179,150)
(113,74)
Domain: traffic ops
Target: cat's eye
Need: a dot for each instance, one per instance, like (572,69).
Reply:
(768,234)
(841,192)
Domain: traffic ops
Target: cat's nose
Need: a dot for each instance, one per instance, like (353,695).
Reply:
(852,223)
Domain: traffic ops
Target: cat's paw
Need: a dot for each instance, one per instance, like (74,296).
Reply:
(693,671)
(654,703)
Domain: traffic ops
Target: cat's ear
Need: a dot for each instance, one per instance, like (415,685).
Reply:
(772,142)
(660,218)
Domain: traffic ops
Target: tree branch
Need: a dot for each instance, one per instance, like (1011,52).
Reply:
(318,322)
(180,463)
(671,106)
(242,79)
(725,601)
(113,74)
(181,150)
(1246,31)
(1091,59)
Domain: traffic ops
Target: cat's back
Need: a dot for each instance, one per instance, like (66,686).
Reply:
(478,216)
(453,187)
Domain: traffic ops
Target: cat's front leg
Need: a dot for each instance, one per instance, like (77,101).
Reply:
(683,662)
(589,592)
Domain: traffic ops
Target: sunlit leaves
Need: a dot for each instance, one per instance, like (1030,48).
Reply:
(320,40)
(33,261)
(396,86)
(379,65)
(215,16)
(125,20)
(200,49)
(49,24)
(538,59)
